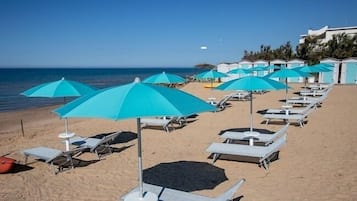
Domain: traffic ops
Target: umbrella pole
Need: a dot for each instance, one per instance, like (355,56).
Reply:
(251,111)
(65,119)
(140,165)
(66,125)
(286,90)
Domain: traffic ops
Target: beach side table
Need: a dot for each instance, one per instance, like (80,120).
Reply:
(251,135)
(66,137)
(148,196)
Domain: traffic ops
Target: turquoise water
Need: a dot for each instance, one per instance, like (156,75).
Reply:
(16,80)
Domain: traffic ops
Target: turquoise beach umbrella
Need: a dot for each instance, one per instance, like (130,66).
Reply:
(212,74)
(59,89)
(251,83)
(135,100)
(240,71)
(313,69)
(324,65)
(285,73)
(164,78)
(258,68)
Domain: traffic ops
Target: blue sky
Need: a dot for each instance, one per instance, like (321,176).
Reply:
(155,33)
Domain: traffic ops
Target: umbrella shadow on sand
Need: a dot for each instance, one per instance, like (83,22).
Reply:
(185,176)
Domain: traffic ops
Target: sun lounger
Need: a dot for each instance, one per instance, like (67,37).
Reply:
(264,138)
(264,153)
(315,92)
(301,110)
(54,157)
(165,123)
(95,145)
(222,104)
(167,194)
(298,117)
(240,95)
(320,86)
(304,100)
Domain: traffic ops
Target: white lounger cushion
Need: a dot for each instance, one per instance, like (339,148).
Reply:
(53,157)
(307,100)
(95,145)
(167,194)
(164,122)
(44,153)
(266,138)
(261,152)
(290,117)
(315,92)
(303,110)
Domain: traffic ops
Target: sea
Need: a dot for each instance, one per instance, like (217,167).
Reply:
(13,81)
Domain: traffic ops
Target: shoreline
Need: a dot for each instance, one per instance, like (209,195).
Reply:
(316,164)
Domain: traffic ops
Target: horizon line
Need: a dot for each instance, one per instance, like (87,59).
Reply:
(7,67)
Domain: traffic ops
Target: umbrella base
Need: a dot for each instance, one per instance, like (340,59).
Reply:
(135,196)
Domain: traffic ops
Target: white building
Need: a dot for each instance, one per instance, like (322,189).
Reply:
(226,67)
(326,33)
(349,71)
(332,76)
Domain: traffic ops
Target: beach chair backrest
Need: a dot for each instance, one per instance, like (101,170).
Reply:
(305,114)
(222,103)
(105,140)
(309,107)
(279,133)
(275,146)
(228,195)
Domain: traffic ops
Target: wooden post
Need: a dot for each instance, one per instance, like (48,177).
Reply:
(22,128)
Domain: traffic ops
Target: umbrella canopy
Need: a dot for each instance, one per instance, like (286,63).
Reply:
(259,68)
(324,65)
(312,69)
(240,71)
(285,73)
(164,78)
(252,83)
(59,89)
(135,100)
(212,74)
